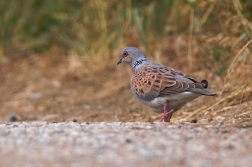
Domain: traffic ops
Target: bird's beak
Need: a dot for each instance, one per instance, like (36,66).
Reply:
(119,61)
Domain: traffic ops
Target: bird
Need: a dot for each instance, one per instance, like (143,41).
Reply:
(160,88)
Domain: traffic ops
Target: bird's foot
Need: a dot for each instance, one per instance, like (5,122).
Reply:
(166,117)
(167,114)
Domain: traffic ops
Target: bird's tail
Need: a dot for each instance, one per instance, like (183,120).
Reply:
(204,91)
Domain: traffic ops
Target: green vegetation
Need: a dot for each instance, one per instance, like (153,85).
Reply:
(210,30)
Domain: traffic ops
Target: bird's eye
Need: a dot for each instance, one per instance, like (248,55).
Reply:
(125,54)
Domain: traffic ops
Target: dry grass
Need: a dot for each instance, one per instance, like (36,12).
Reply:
(208,40)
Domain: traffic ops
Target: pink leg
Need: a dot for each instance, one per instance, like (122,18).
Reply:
(167,114)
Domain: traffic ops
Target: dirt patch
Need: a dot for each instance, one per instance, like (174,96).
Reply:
(43,88)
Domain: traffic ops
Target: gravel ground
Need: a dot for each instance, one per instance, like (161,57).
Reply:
(124,144)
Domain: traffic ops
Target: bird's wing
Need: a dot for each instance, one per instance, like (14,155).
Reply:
(149,82)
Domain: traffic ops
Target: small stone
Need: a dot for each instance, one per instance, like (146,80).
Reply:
(194,121)
(35,95)
(220,119)
(75,120)
(204,120)
(13,117)
(128,140)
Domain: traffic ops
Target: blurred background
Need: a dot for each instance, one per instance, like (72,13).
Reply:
(58,58)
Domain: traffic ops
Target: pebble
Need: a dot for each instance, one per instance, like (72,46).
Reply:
(123,144)
(13,117)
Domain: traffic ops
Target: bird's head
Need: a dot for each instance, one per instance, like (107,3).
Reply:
(130,55)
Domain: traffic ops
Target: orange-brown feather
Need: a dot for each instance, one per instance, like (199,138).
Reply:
(151,82)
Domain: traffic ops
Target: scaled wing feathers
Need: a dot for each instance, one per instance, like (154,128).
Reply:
(149,82)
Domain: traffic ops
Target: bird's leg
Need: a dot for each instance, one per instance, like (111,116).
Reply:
(167,114)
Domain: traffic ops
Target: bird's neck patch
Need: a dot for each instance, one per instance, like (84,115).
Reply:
(139,62)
